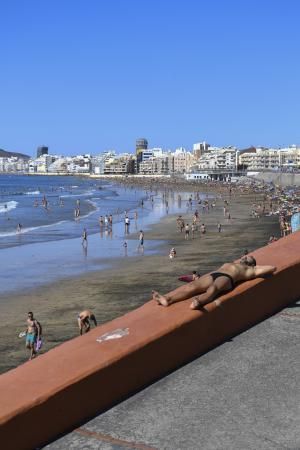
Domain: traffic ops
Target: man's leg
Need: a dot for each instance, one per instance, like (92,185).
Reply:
(191,289)
(80,325)
(87,325)
(221,284)
(32,350)
(206,297)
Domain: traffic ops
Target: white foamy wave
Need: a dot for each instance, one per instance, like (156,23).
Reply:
(27,230)
(86,194)
(32,193)
(4,207)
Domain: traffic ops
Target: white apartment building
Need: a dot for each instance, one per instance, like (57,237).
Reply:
(270,159)
(218,158)
(13,164)
(159,165)
(41,164)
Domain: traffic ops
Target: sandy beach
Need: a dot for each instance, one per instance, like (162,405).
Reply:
(127,284)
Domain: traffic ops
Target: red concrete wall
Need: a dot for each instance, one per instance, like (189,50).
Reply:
(58,390)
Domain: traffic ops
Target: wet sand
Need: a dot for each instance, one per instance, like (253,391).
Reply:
(128,284)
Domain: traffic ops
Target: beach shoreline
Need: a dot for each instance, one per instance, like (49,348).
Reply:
(127,283)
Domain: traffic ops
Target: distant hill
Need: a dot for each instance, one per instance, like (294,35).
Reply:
(5,154)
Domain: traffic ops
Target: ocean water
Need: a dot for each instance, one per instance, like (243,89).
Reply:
(45,207)
(48,245)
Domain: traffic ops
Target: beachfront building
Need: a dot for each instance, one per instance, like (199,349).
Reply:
(218,159)
(99,161)
(120,164)
(59,165)
(289,158)
(156,165)
(80,164)
(13,164)
(199,149)
(41,164)
(183,160)
(270,158)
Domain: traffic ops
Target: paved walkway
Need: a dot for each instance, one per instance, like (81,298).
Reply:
(243,395)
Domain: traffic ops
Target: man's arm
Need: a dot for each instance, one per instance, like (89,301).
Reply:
(38,326)
(263,270)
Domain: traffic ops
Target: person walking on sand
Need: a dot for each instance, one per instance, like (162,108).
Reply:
(209,286)
(33,334)
(187,231)
(83,320)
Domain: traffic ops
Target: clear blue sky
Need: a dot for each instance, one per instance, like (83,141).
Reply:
(89,75)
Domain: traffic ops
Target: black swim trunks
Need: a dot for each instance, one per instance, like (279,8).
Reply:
(216,275)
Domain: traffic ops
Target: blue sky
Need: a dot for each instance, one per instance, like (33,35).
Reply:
(86,76)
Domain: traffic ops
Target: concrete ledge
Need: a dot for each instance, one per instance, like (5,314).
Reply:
(50,395)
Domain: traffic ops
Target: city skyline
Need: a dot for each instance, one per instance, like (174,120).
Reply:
(86,78)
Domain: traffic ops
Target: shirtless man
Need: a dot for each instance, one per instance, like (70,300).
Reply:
(84,321)
(215,283)
(33,333)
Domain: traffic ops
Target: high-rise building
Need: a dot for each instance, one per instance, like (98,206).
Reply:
(140,146)
(42,150)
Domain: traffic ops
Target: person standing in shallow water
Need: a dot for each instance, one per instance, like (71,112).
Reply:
(141,240)
(84,237)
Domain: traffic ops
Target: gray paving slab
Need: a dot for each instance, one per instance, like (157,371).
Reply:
(243,395)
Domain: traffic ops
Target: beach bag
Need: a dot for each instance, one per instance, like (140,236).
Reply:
(38,345)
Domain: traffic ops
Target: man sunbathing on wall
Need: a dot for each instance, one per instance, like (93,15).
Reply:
(215,283)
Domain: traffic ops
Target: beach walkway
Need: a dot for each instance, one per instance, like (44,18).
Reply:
(242,395)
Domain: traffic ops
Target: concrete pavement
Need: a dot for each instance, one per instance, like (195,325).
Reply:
(243,395)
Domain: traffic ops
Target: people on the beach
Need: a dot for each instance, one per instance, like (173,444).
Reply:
(84,237)
(33,334)
(141,239)
(187,231)
(209,286)
(83,320)
(127,224)
(195,275)
(272,239)
(172,253)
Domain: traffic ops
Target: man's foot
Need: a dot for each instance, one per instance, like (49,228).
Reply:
(195,304)
(160,299)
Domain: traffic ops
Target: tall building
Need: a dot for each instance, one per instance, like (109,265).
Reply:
(41,151)
(199,149)
(140,146)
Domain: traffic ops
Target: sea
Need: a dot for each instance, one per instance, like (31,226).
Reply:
(41,231)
